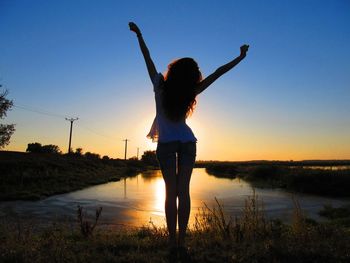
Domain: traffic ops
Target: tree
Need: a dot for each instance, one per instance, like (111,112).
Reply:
(34,147)
(91,155)
(6,130)
(38,148)
(78,151)
(50,148)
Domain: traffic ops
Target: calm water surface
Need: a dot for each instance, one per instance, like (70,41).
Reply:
(135,201)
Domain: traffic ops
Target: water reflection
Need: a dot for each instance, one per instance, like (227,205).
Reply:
(137,200)
(335,167)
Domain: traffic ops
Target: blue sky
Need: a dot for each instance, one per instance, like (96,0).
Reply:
(287,100)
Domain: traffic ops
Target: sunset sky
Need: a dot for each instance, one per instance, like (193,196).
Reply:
(289,99)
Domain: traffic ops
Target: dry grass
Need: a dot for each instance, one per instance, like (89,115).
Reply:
(214,237)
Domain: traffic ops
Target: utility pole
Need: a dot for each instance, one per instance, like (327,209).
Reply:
(70,133)
(126,147)
(137,153)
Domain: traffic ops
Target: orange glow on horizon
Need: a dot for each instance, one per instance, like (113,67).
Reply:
(233,142)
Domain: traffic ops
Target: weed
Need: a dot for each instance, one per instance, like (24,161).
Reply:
(87,227)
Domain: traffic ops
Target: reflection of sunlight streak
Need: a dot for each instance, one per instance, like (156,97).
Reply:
(159,197)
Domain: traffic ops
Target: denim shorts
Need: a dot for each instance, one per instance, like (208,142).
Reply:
(174,154)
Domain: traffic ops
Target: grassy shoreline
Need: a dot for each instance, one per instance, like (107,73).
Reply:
(213,238)
(30,176)
(291,176)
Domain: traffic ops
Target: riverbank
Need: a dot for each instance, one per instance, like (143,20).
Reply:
(324,178)
(213,238)
(33,176)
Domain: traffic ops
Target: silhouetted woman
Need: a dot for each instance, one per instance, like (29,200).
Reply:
(175,95)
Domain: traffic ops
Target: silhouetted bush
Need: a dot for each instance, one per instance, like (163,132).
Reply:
(50,148)
(38,148)
(105,158)
(78,151)
(91,155)
(34,147)
(150,158)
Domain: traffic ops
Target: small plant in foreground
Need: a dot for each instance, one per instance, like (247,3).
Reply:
(249,226)
(87,227)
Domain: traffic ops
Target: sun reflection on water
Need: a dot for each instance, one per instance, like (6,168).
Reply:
(159,197)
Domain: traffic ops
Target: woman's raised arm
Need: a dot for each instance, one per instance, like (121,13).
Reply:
(205,83)
(152,71)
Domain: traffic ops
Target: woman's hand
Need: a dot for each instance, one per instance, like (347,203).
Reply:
(244,50)
(133,27)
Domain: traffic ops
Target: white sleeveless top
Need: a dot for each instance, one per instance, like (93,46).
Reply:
(163,129)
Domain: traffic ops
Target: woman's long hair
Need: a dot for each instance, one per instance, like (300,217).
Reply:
(179,91)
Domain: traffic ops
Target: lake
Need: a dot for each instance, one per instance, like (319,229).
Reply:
(136,201)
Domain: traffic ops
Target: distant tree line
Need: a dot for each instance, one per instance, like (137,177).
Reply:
(148,157)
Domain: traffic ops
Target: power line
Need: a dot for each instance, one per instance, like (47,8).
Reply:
(96,133)
(60,116)
(40,111)
(71,119)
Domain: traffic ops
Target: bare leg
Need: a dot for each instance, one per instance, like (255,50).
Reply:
(176,162)
(184,176)
(169,176)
